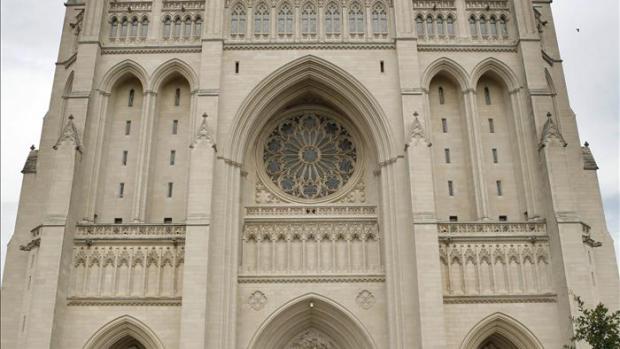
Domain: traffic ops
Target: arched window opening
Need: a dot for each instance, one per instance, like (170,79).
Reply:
(356,19)
(493,27)
(504,26)
(487,96)
(237,20)
(473,28)
(440,29)
(124,25)
(450,25)
(167,24)
(285,20)
(134,27)
(176,33)
(483,26)
(332,19)
(308,19)
(261,20)
(442,99)
(132,94)
(198,27)
(379,20)
(113,28)
(144,28)
(187,28)
(429,26)
(177,97)
(419,26)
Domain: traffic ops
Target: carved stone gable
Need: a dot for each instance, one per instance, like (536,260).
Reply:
(551,133)
(203,134)
(69,134)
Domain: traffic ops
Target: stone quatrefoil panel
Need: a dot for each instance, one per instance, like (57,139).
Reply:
(309,156)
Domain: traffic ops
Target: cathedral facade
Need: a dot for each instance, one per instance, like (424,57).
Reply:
(308,174)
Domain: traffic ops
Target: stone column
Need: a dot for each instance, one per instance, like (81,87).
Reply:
(475,152)
(419,156)
(147,120)
(201,162)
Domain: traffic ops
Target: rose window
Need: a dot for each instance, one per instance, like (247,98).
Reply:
(309,156)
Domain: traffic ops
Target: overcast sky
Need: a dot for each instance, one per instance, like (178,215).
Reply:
(31,34)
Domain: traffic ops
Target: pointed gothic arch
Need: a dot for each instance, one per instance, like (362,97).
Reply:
(168,69)
(503,330)
(316,316)
(498,69)
(310,73)
(123,330)
(121,71)
(448,67)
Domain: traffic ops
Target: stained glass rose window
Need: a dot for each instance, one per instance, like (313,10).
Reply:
(309,155)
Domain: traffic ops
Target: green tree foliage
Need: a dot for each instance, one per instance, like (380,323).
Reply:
(597,327)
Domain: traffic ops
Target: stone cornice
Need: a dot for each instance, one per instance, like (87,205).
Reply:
(311,46)
(119,50)
(287,279)
(124,301)
(541,298)
(466,48)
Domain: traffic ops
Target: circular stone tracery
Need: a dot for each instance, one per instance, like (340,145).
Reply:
(309,155)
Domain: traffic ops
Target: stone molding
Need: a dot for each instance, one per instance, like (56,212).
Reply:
(125,301)
(116,50)
(288,279)
(308,212)
(130,231)
(466,48)
(545,298)
(229,46)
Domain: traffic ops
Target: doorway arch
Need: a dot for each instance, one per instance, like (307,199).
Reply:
(311,321)
(125,332)
(500,331)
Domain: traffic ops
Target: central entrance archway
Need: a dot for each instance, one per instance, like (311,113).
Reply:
(311,322)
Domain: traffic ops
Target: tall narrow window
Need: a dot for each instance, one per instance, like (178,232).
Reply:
(198,27)
(175,126)
(113,28)
(237,67)
(487,96)
(419,26)
(121,190)
(187,27)
(499,188)
(170,185)
(491,126)
(124,159)
(124,25)
(379,20)
(382,66)
(177,97)
(261,20)
(450,24)
(176,32)
(133,33)
(442,99)
(450,188)
(237,20)
(285,20)
(308,19)
(144,28)
(483,26)
(167,26)
(495,157)
(440,29)
(473,29)
(503,26)
(332,19)
(127,127)
(444,125)
(447,155)
(429,26)
(132,95)
(356,19)
(173,155)
(493,27)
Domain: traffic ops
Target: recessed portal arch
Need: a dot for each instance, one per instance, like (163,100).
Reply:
(500,331)
(311,319)
(123,333)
